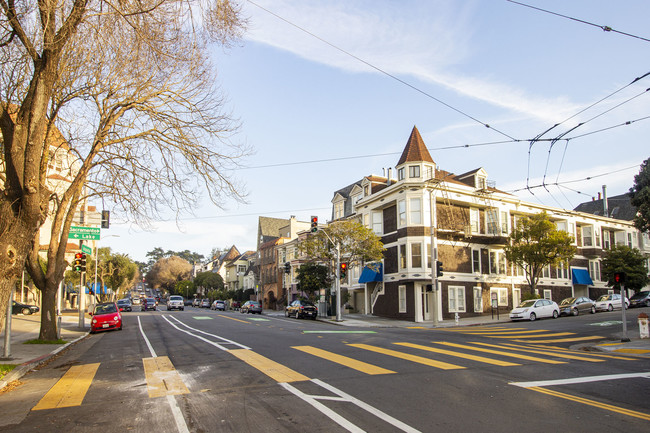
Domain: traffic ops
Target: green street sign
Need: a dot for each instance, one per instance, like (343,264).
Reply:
(85,233)
(86,249)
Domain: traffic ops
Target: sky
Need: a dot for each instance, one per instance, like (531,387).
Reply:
(328,91)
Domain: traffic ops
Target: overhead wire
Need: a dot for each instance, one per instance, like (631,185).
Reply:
(600,26)
(378,69)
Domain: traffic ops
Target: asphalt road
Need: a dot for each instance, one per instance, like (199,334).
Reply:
(205,371)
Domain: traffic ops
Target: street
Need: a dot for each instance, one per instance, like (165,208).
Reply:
(200,370)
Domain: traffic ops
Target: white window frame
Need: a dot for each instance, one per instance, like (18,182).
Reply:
(414,171)
(402,256)
(478,299)
(492,221)
(546,272)
(456,299)
(378,222)
(339,209)
(401,213)
(476,264)
(498,265)
(594,270)
(415,245)
(587,236)
(503,222)
(475,220)
(502,295)
(400,173)
(548,294)
(518,297)
(415,211)
(401,294)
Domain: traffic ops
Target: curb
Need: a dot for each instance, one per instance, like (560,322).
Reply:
(25,367)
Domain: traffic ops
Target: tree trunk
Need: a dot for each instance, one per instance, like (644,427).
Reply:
(48,312)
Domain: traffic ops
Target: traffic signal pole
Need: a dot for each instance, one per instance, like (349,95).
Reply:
(625,338)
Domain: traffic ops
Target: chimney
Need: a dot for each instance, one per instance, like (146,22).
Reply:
(605,204)
(384,171)
(599,197)
(388,177)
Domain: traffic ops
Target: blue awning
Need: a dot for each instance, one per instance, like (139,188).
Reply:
(581,276)
(369,274)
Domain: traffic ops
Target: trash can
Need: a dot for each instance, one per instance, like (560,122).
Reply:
(644,332)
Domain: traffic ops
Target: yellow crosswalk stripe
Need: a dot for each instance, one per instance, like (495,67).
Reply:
(361,366)
(557,334)
(499,352)
(594,403)
(71,389)
(275,371)
(460,355)
(162,378)
(408,357)
(559,340)
(481,328)
(501,332)
(591,354)
(543,352)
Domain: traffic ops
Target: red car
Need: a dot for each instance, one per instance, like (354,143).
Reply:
(106,316)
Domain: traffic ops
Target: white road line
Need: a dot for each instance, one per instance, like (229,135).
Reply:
(586,379)
(217,345)
(181,425)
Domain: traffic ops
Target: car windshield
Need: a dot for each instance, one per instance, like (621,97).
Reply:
(528,303)
(604,298)
(105,309)
(568,301)
(175,298)
(123,301)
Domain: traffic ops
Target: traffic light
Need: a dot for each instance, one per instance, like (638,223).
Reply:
(83,262)
(439,268)
(314,224)
(343,271)
(619,277)
(77,262)
(287,267)
(106,219)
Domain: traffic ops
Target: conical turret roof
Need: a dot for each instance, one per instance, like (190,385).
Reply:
(415,150)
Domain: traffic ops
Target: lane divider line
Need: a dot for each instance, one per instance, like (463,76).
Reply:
(215,344)
(71,389)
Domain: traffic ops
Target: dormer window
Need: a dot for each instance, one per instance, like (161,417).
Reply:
(414,171)
(400,174)
(482,183)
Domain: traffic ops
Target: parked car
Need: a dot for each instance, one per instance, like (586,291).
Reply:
(641,299)
(196,302)
(218,305)
(175,302)
(235,305)
(610,302)
(18,308)
(106,316)
(300,309)
(135,300)
(205,303)
(575,306)
(535,308)
(251,307)
(187,302)
(148,304)
(124,304)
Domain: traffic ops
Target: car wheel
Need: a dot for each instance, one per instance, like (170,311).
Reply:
(555,314)
(26,311)
(286,313)
(575,312)
(647,303)
(593,309)
(532,317)
(297,315)
(610,307)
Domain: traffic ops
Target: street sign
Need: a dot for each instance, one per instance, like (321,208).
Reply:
(86,249)
(85,233)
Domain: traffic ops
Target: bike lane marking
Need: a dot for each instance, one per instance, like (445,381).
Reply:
(71,389)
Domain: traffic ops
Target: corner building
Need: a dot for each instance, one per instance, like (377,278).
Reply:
(472,221)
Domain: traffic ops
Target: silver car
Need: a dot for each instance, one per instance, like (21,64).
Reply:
(175,302)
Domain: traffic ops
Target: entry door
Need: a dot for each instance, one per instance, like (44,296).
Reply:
(516,297)
(426,300)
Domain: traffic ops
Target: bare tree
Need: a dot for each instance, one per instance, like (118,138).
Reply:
(128,89)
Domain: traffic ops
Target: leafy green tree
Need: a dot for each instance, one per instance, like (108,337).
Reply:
(168,271)
(209,280)
(536,243)
(622,258)
(640,197)
(313,277)
(358,244)
(184,288)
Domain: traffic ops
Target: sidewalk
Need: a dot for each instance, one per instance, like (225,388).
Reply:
(28,356)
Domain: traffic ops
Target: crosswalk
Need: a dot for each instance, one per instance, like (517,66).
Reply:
(524,335)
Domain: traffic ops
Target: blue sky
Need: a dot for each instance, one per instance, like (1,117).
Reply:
(495,62)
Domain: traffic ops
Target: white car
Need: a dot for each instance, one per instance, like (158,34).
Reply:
(535,308)
(175,302)
(610,302)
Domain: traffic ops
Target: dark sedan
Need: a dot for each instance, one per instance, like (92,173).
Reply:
(299,309)
(18,308)
(251,307)
(641,299)
(148,304)
(575,306)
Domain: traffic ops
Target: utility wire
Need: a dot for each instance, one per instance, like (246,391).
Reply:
(378,69)
(602,27)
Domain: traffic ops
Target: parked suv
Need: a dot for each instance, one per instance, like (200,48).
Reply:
(299,309)
(641,299)
(175,302)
